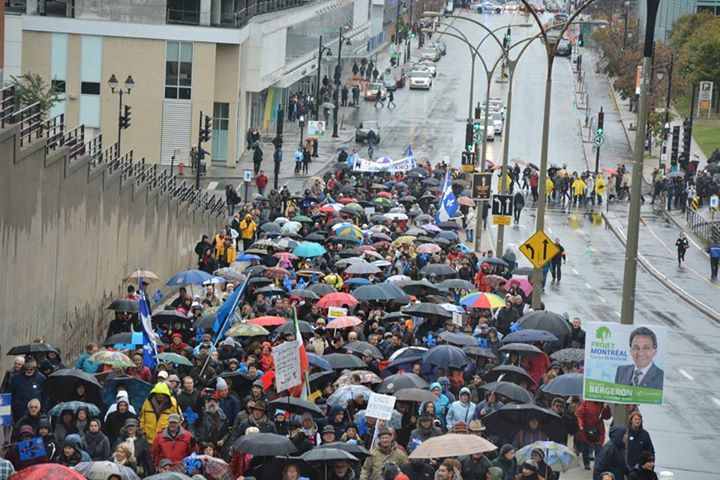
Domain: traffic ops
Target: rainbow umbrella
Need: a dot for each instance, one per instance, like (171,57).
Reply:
(482,300)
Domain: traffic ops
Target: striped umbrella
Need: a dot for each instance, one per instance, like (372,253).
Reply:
(482,300)
(344,322)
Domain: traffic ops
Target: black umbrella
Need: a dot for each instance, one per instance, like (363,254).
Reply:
(576,355)
(305,293)
(327,454)
(124,305)
(447,235)
(456,283)
(270,227)
(255,271)
(265,445)
(30,348)
(349,253)
(408,199)
(431,181)
(340,361)
(509,390)
(321,289)
(169,316)
(296,405)
(427,310)
(357,450)
(438,269)
(420,288)
(506,421)
(446,356)
(459,339)
(259,281)
(520,347)
(529,336)
(271,291)
(399,381)
(362,347)
(545,320)
(450,225)
(127,338)
(61,384)
(319,379)
(315,237)
(304,327)
(367,293)
(510,373)
(207,319)
(480,352)
(523,271)
(565,385)
(393,316)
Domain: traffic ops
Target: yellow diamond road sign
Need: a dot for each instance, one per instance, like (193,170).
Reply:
(539,249)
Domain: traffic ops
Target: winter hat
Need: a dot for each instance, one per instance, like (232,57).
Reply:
(228,342)
(174,417)
(26,430)
(530,465)
(221,384)
(506,448)
(162,374)
(460,427)
(444,381)
(130,422)
(328,429)
(46,364)
(645,457)
(44,422)
(258,383)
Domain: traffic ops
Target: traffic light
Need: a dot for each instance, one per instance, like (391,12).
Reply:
(601,122)
(206,131)
(125,118)
(580,40)
(469,144)
(687,138)
(674,145)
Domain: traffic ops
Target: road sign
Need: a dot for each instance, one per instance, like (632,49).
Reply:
(481,183)
(501,220)
(539,249)
(502,205)
(599,140)
(477,136)
(705,97)
(714,202)
(247,176)
(468,161)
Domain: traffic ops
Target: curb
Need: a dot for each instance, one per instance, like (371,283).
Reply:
(665,281)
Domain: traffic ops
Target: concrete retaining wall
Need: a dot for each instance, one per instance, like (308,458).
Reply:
(67,239)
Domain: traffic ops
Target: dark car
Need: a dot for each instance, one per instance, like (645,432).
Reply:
(362,130)
(564,48)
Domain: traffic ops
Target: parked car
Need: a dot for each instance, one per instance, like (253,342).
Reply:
(420,79)
(564,48)
(439,45)
(511,6)
(430,53)
(372,91)
(362,130)
(486,6)
(426,65)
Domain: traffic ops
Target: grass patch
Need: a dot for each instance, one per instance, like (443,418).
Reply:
(707,134)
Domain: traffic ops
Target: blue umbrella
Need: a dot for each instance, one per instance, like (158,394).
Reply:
(446,356)
(137,391)
(309,249)
(529,336)
(358,281)
(558,457)
(565,385)
(247,257)
(188,277)
(318,361)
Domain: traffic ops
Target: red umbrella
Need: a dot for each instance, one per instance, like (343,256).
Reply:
(466,201)
(365,248)
(276,273)
(347,200)
(326,209)
(344,322)
(384,194)
(610,171)
(268,321)
(337,300)
(48,471)
(522,283)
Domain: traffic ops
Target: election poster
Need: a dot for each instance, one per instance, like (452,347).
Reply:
(286,357)
(625,363)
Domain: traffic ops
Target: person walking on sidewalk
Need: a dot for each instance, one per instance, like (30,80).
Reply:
(682,245)
(378,99)
(261,181)
(257,158)
(714,252)
(556,263)
(306,161)
(391,99)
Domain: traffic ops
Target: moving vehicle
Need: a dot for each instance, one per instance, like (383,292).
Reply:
(439,45)
(564,48)
(497,122)
(490,133)
(426,65)
(374,89)
(486,6)
(389,82)
(430,53)
(511,6)
(420,79)
(362,130)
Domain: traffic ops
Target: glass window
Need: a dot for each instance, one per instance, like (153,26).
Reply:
(178,70)
(90,88)
(220,125)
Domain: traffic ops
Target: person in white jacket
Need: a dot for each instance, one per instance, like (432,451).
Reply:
(462,410)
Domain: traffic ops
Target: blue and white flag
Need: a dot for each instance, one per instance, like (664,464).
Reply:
(149,336)
(6,410)
(448,202)
(227,310)
(409,152)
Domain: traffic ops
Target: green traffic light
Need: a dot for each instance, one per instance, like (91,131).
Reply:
(476,127)
(470,148)
(599,131)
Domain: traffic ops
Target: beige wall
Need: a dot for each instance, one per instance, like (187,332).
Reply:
(36,53)
(227,89)
(145,61)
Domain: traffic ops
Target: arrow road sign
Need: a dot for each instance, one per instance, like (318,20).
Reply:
(599,140)
(539,249)
(481,184)
(502,205)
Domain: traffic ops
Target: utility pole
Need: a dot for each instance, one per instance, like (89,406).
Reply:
(397,23)
(627,311)
(316,103)
(599,133)
(204,134)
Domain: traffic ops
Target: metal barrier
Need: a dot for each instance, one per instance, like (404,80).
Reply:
(30,119)
(54,129)
(75,140)
(708,230)
(8,105)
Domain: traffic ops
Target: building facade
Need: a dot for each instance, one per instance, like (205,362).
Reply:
(670,11)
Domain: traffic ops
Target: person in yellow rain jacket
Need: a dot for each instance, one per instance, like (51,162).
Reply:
(247,231)
(599,188)
(578,188)
(156,409)
(334,280)
(549,186)
(226,253)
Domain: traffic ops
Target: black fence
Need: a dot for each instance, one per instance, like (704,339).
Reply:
(708,230)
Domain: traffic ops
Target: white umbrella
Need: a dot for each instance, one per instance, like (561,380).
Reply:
(399,278)
(291,227)
(281,220)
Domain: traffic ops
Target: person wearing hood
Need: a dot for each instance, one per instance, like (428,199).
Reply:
(639,440)
(611,457)
(229,403)
(338,419)
(645,468)
(44,431)
(114,421)
(310,429)
(506,461)
(70,454)
(441,404)
(156,410)
(543,469)
(462,410)
(80,444)
(120,393)
(172,442)
(424,431)
(134,437)
(96,443)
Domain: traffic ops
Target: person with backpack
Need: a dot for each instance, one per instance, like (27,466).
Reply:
(714,252)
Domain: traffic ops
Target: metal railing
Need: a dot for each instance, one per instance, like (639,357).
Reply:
(30,119)
(54,129)
(75,141)
(708,230)
(8,105)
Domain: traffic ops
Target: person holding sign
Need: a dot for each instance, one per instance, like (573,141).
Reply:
(643,373)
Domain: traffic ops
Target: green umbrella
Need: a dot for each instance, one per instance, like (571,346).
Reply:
(170,357)
(246,330)
(302,219)
(382,201)
(114,359)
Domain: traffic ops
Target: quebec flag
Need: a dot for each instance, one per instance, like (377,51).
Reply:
(448,202)
(149,336)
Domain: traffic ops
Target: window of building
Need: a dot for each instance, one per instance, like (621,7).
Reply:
(184,11)
(58,85)
(220,126)
(90,88)
(178,70)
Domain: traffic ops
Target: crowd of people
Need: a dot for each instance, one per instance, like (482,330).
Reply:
(384,298)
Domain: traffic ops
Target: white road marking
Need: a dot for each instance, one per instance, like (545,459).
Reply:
(575,272)
(212,185)
(588,285)
(685,374)
(716,400)
(602,299)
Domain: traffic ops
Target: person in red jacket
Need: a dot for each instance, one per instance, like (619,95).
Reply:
(537,365)
(173,442)
(590,416)
(261,182)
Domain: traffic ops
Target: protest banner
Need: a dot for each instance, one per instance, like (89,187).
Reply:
(380,406)
(624,363)
(286,357)
(337,312)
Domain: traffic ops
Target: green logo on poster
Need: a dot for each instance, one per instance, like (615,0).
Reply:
(603,334)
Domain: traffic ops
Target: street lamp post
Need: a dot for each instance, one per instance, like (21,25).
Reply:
(123,118)
(336,78)
(626,4)
(660,73)
(321,49)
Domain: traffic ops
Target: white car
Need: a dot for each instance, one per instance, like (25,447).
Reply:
(496,121)
(490,133)
(426,65)
(430,53)
(420,79)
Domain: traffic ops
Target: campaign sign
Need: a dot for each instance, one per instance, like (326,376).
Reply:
(625,363)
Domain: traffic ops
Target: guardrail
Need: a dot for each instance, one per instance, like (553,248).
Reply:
(708,230)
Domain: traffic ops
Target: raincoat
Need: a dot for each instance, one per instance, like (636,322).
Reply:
(441,404)
(155,411)
(460,411)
